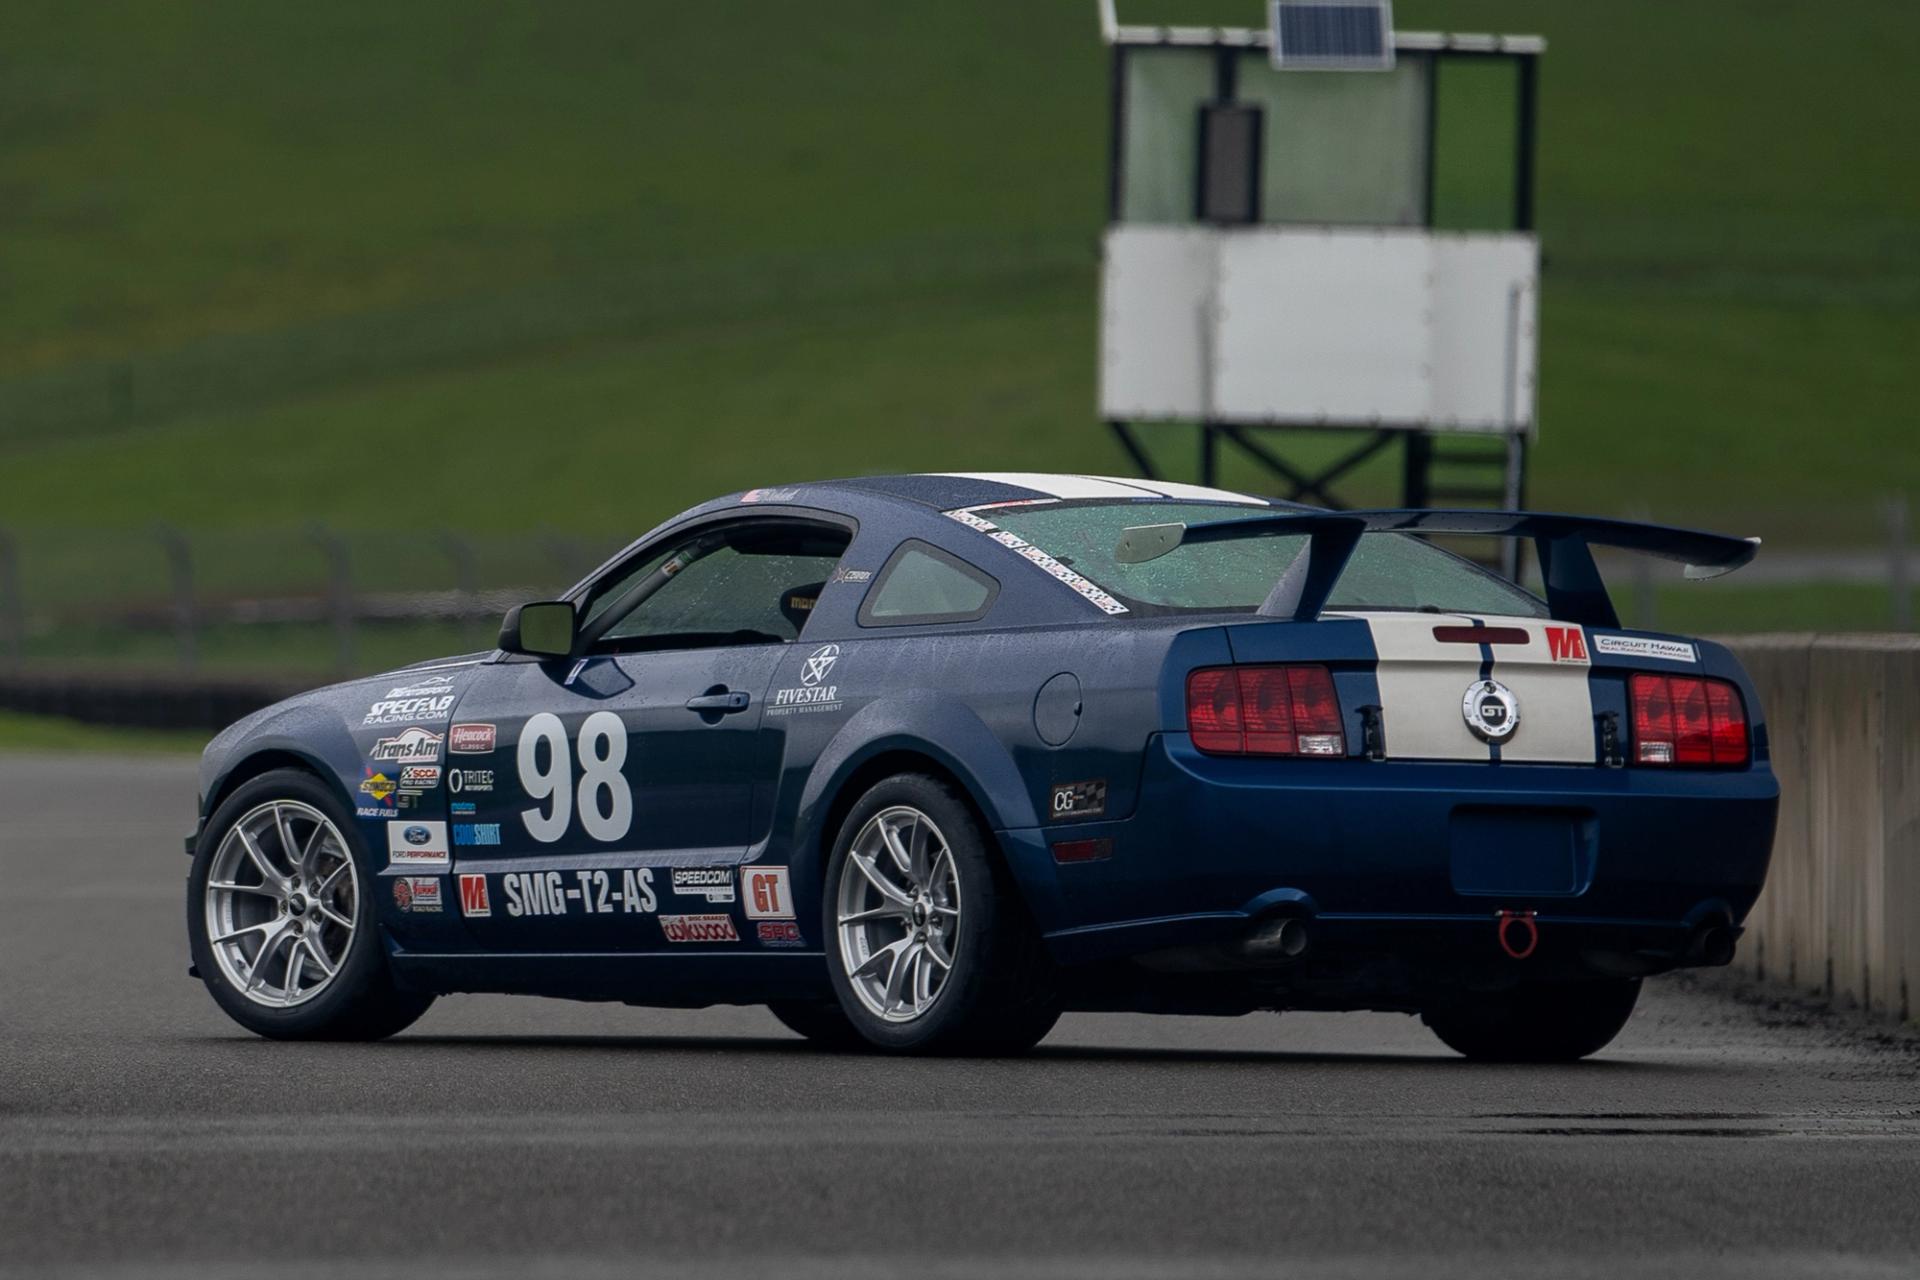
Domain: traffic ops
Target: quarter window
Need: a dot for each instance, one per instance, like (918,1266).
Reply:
(920,583)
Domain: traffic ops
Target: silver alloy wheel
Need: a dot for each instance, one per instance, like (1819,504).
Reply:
(898,912)
(282,896)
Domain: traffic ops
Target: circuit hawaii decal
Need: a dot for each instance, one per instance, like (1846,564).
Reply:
(815,692)
(418,845)
(1642,647)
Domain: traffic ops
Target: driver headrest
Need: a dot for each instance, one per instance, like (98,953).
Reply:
(797,604)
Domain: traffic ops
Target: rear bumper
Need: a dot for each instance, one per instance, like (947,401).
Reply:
(1414,857)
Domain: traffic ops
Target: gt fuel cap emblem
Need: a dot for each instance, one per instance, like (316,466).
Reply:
(1490,710)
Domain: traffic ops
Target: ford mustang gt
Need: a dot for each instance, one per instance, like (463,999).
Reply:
(919,762)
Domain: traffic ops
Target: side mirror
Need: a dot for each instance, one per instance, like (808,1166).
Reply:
(544,629)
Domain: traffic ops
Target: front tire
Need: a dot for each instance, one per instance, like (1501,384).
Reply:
(1535,1022)
(280,917)
(928,946)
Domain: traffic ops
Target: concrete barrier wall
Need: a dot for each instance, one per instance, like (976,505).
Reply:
(1840,916)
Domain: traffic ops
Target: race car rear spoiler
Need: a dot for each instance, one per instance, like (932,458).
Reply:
(1575,592)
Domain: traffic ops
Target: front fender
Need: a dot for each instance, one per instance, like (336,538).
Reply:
(305,730)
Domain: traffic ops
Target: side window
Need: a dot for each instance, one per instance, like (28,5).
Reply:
(753,583)
(921,583)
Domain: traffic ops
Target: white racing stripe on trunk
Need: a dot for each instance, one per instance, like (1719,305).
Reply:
(1423,680)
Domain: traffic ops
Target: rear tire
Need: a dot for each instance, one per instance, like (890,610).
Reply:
(942,958)
(1535,1022)
(300,955)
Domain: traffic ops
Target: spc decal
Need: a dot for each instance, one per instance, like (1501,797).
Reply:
(814,692)
(698,929)
(470,739)
(473,895)
(417,844)
(715,884)
(765,892)
(780,933)
(590,893)
(1641,647)
(417,893)
(409,746)
(1078,800)
(1568,644)
(476,833)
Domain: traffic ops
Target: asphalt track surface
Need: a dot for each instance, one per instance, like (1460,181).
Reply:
(143,1134)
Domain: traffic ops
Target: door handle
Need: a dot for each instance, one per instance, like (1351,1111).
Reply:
(722,703)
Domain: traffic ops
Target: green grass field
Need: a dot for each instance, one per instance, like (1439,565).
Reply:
(42,734)
(504,267)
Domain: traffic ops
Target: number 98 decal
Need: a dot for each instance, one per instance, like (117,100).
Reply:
(604,799)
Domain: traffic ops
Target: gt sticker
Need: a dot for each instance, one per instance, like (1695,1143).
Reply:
(766,894)
(417,893)
(1078,800)
(605,799)
(473,896)
(698,929)
(780,933)
(1641,647)
(461,780)
(417,844)
(589,893)
(409,746)
(715,884)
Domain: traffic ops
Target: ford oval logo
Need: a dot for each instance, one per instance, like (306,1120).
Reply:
(416,835)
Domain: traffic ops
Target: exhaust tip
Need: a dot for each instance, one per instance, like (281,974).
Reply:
(1285,938)
(1713,945)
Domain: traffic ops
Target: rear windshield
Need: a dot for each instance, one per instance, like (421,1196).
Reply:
(1387,571)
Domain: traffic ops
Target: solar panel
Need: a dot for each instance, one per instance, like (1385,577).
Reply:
(1333,35)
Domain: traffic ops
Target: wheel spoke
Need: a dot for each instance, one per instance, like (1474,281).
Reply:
(244,930)
(287,850)
(272,944)
(333,878)
(951,913)
(296,961)
(886,955)
(886,911)
(945,962)
(869,867)
(891,835)
(312,849)
(313,948)
(332,915)
(942,864)
(919,844)
(262,890)
(259,857)
(896,976)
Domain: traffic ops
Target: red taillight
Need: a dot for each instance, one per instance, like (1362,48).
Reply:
(1687,720)
(1265,711)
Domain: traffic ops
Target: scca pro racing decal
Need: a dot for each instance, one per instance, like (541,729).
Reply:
(564,893)
(698,929)
(1100,599)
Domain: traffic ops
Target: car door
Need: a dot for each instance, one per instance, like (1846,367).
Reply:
(604,802)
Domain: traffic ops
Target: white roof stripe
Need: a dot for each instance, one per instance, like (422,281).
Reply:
(1198,492)
(1055,486)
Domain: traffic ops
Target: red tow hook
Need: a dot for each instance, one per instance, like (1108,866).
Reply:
(1529,933)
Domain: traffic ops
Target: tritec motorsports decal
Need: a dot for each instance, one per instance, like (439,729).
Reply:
(1641,647)
(409,746)
(471,739)
(1078,800)
(417,893)
(698,929)
(421,845)
(765,892)
(715,884)
(571,893)
(815,692)
(461,781)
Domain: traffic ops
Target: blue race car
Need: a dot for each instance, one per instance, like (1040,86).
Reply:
(920,762)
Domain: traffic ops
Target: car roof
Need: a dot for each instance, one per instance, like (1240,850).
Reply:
(946,491)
